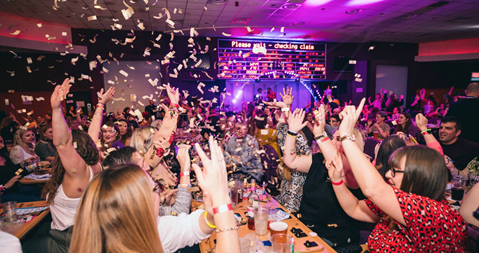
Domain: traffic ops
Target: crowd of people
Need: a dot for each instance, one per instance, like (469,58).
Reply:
(120,180)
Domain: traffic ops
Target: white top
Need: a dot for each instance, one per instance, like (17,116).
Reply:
(18,154)
(9,243)
(63,209)
(177,232)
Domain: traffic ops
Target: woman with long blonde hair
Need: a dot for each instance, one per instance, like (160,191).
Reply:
(154,144)
(23,151)
(119,212)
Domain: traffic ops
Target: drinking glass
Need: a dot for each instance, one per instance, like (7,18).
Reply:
(239,185)
(458,187)
(281,243)
(261,220)
(9,211)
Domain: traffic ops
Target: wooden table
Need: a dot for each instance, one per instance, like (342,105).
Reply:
(39,172)
(30,225)
(208,244)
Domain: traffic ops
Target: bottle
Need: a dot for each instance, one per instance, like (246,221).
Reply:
(252,203)
(263,189)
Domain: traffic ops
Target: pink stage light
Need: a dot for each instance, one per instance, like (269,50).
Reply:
(362,2)
(316,2)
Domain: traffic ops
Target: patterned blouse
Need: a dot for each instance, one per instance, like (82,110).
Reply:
(431,226)
(292,191)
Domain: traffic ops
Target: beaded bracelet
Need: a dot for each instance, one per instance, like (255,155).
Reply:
(226,229)
(207,222)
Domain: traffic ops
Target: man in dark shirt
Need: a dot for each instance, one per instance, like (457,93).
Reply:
(466,110)
(460,150)
(152,109)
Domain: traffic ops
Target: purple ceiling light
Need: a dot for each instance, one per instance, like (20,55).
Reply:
(362,2)
(316,2)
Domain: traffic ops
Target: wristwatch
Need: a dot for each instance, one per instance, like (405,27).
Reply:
(349,136)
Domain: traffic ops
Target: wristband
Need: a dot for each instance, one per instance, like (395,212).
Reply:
(175,105)
(321,139)
(184,185)
(100,105)
(207,222)
(426,131)
(186,173)
(286,109)
(338,183)
(2,188)
(223,208)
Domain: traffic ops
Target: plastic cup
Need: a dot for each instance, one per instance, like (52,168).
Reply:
(376,134)
(281,243)
(278,227)
(9,211)
(261,220)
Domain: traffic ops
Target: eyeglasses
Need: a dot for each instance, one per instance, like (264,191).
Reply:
(394,171)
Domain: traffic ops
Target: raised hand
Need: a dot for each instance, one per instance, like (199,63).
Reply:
(349,118)
(287,96)
(107,96)
(335,169)
(319,120)
(173,94)
(183,157)
(421,122)
(213,177)
(296,121)
(60,93)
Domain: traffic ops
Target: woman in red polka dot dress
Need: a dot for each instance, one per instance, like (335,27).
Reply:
(410,209)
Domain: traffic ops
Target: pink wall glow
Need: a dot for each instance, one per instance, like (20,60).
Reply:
(449,47)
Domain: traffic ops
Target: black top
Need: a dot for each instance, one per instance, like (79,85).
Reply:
(466,111)
(8,171)
(461,152)
(320,209)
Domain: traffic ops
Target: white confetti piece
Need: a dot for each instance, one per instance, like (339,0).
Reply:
(17,32)
(272,29)
(249,29)
(282,29)
(155,44)
(40,99)
(128,12)
(200,85)
(198,63)
(141,26)
(29,60)
(226,34)
(39,25)
(159,37)
(90,18)
(153,82)
(123,73)
(158,17)
(130,67)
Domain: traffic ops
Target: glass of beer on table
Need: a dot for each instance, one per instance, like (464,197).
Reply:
(278,227)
